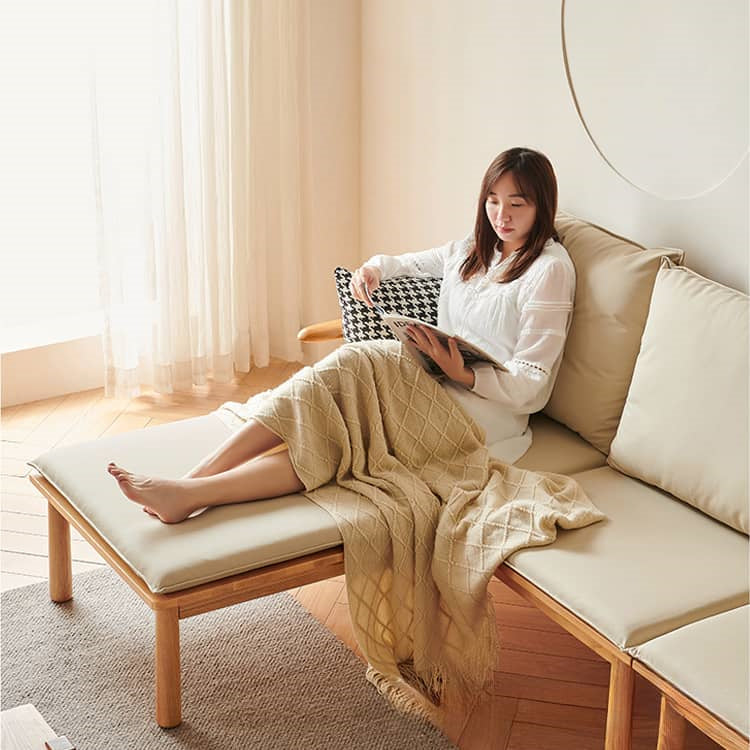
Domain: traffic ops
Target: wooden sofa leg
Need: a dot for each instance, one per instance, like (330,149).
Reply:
(60,560)
(620,706)
(672,727)
(168,700)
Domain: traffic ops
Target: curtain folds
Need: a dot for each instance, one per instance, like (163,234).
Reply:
(198,176)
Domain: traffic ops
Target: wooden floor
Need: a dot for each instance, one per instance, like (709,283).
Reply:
(550,692)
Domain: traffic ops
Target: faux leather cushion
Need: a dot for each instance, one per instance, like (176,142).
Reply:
(613,289)
(708,662)
(229,539)
(685,423)
(556,448)
(653,565)
(218,543)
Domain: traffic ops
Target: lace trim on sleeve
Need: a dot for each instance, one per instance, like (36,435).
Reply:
(531,366)
(543,331)
(552,305)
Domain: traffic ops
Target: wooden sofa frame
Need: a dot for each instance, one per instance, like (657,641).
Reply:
(170,608)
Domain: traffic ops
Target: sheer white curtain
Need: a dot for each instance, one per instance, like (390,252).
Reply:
(199,177)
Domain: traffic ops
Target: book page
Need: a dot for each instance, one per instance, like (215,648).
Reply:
(471,353)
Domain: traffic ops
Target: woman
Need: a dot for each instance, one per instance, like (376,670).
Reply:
(508,288)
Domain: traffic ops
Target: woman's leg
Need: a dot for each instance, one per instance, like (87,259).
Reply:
(249,441)
(174,500)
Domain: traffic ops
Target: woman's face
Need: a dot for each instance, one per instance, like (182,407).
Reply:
(511,214)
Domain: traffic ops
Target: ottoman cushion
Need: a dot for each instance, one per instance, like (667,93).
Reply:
(220,542)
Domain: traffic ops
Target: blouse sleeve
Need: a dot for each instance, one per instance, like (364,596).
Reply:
(423,264)
(544,322)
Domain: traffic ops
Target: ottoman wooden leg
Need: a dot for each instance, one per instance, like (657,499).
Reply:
(672,727)
(60,561)
(620,706)
(168,701)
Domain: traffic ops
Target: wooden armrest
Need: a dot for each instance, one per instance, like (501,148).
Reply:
(331,330)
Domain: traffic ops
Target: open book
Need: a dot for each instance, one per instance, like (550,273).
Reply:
(470,352)
(398,323)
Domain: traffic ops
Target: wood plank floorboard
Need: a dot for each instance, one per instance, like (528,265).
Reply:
(544,665)
(17,486)
(489,726)
(526,617)
(21,423)
(22,563)
(26,523)
(34,505)
(564,692)
(545,642)
(550,691)
(10,581)
(14,467)
(73,409)
(33,544)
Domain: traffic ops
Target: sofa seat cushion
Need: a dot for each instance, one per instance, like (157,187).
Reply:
(653,565)
(556,448)
(708,662)
(218,543)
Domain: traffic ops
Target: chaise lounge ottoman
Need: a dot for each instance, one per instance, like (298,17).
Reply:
(221,557)
(224,556)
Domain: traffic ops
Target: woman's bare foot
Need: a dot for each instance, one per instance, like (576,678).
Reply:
(169,500)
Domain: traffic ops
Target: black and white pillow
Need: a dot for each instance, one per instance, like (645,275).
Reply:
(403,295)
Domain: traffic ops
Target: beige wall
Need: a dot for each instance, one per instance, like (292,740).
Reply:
(447,85)
(333,211)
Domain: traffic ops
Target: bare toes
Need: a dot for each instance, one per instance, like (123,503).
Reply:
(116,471)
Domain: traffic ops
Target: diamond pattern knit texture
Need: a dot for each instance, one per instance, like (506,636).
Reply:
(426,515)
(403,295)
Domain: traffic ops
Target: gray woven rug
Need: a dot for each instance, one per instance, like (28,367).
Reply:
(263,674)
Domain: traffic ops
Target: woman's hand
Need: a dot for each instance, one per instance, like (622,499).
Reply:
(449,360)
(365,280)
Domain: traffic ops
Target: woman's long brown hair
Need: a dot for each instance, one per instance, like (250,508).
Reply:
(536,180)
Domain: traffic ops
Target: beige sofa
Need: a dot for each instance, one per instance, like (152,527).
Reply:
(649,414)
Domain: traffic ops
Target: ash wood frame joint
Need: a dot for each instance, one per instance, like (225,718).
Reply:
(675,702)
(618,732)
(563,617)
(623,670)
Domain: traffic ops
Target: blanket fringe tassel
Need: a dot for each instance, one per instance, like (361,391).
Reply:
(401,695)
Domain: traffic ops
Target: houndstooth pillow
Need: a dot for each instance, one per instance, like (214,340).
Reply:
(403,295)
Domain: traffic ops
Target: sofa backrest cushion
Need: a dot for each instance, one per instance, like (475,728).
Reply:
(614,279)
(685,423)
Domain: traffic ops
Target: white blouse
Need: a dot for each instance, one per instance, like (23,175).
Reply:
(522,323)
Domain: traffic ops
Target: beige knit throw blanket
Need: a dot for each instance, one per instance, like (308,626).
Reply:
(425,514)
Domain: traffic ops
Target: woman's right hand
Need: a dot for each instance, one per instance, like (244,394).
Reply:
(365,280)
